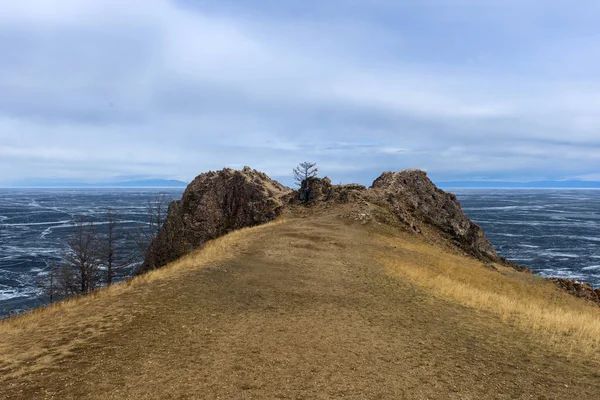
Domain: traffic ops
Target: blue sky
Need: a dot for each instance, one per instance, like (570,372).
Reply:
(105,90)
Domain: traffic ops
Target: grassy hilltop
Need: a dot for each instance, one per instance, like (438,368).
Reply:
(323,302)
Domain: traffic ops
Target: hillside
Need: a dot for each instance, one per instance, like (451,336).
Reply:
(348,296)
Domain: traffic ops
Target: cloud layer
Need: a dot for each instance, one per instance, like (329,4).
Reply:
(104,89)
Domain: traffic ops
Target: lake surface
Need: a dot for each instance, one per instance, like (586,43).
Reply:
(35,223)
(553,232)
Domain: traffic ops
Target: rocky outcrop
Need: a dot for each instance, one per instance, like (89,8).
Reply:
(578,289)
(409,198)
(415,200)
(214,204)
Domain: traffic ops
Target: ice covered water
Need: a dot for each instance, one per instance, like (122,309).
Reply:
(35,223)
(553,232)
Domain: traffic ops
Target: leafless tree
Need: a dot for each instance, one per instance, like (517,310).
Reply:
(87,252)
(66,282)
(48,283)
(81,259)
(113,257)
(304,171)
(110,240)
(109,244)
(156,211)
(60,283)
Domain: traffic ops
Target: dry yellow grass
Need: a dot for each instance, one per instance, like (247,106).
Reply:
(300,309)
(526,301)
(89,314)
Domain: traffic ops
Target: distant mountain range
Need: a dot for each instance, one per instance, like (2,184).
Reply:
(572,184)
(146,183)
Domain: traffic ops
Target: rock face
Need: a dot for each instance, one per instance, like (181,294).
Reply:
(578,289)
(414,199)
(214,204)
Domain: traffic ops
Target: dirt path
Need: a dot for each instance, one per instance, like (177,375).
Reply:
(304,312)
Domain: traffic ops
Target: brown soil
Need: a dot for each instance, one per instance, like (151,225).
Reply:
(303,311)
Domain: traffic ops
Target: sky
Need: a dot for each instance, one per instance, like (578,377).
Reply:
(111,90)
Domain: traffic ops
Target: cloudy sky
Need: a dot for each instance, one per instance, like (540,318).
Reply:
(105,90)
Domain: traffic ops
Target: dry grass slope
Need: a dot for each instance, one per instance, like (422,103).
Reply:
(534,305)
(313,307)
(32,336)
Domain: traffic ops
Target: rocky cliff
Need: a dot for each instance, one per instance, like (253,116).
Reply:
(415,200)
(214,204)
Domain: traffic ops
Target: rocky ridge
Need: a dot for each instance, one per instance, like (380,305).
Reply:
(216,203)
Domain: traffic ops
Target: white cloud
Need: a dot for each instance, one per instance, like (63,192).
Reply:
(102,88)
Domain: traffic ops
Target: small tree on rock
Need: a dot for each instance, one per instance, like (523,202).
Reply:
(304,171)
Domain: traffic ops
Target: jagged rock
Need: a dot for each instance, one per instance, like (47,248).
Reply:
(414,199)
(578,289)
(214,204)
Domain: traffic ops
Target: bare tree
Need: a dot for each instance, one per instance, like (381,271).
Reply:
(48,283)
(156,211)
(114,258)
(61,281)
(304,171)
(81,259)
(52,284)
(109,245)
(85,254)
